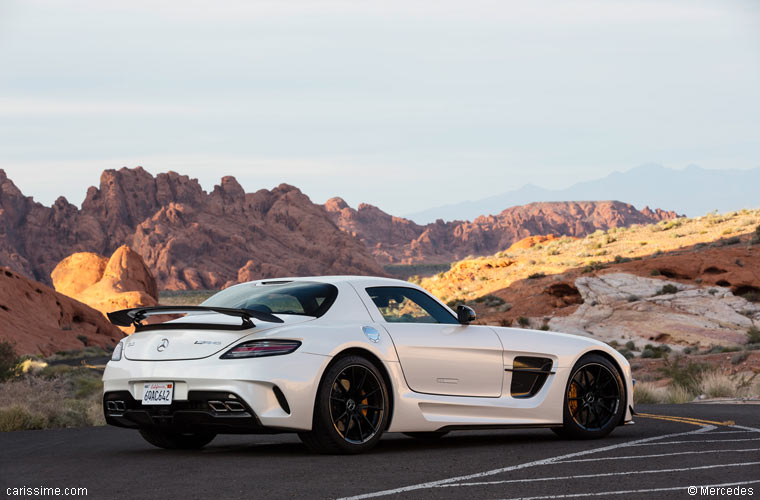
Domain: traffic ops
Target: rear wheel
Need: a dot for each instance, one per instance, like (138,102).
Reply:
(351,411)
(176,440)
(594,399)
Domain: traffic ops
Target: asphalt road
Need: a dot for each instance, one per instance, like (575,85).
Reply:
(655,458)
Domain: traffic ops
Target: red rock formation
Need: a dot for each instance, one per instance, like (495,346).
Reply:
(396,240)
(39,320)
(121,282)
(189,239)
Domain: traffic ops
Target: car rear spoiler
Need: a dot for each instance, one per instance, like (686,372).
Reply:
(135,316)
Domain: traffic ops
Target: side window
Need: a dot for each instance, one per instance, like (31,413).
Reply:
(408,305)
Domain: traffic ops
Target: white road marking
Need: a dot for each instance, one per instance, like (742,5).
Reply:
(732,432)
(510,468)
(603,474)
(698,452)
(750,429)
(628,492)
(698,441)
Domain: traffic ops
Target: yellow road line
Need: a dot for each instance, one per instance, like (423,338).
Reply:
(686,420)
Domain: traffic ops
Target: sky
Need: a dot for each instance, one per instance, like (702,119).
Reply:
(404,105)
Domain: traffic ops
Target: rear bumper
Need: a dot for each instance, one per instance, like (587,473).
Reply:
(276,392)
(200,413)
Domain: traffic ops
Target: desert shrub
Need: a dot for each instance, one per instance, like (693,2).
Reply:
(536,276)
(544,327)
(753,335)
(523,321)
(735,240)
(594,266)
(712,291)
(506,306)
(619,259)
(490,300)
(505,322)
(8,360)
(654,272)
(19,418)
(687,376)
(739,357)
(630,345)
(667,289)
(627,354)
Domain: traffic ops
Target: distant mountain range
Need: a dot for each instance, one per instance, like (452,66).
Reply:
(193,239)
(395,240)
(692,191)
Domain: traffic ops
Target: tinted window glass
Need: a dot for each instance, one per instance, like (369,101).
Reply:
(408,305)
(299,297)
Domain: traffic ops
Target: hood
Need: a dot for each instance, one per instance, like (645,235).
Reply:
(193,343)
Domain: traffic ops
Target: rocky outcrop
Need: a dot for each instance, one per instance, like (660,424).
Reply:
(121,282)
(623,306)
(38,320)
(189,239)
(401,241)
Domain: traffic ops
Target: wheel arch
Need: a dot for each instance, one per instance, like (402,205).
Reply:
(375,360)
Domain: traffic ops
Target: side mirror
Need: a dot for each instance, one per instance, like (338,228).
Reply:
(465,314)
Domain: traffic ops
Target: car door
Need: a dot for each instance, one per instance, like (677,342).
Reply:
(438,355)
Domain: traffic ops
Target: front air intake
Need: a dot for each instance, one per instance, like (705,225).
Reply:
(529,374)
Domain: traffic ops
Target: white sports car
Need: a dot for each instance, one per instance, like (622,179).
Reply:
(342,359)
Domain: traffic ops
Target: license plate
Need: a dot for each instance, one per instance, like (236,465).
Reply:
(157,393)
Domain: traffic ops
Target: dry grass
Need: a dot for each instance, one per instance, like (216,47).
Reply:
(711,384)
(648,393)
(52,399)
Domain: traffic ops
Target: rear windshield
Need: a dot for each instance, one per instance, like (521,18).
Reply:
(303,298)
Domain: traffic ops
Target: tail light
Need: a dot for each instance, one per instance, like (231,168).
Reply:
(261,348)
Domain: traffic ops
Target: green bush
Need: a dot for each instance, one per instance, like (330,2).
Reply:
(8,360)
(536,276)
(523,321)
(753,335)
(688,376)
(667,289)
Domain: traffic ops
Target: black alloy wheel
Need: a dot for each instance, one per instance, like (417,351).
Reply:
(594,399)
(357,404)
(351,411)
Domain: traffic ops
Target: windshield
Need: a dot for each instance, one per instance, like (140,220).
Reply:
(303,298)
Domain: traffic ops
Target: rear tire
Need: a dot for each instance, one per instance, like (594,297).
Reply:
(594,401)
(175,440)
(351,410)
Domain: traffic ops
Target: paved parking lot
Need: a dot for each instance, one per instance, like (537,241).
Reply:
(670,448)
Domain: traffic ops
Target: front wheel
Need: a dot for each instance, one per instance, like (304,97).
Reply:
(351,411)
(594,400)
(176,440)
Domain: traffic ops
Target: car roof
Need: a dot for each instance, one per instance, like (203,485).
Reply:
(373,280)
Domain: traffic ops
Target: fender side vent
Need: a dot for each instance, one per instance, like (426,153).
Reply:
(281,399)
(529,375)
